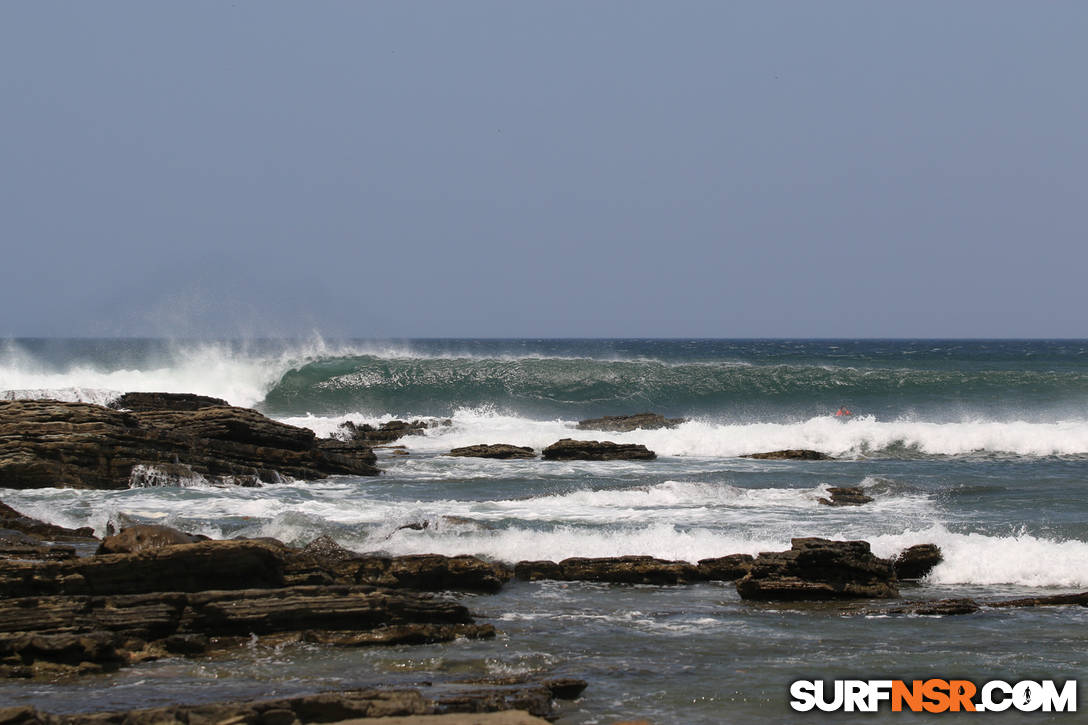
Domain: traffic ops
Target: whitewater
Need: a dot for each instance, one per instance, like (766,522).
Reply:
(978,446)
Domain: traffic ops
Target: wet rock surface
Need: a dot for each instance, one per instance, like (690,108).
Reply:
(518,705)
(46,443)
(23,537)
(940,607)
(165,401)
(725,568)
(617,570)
(386,432)
(15,521)
(845,496)
(917,561)
(626,423)
(791,454)
(170,596)
(569,449)
(324,561)
(493,450)
(819,569)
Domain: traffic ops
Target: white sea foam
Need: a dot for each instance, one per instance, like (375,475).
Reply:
(240,376)
(673,520)
(856,438)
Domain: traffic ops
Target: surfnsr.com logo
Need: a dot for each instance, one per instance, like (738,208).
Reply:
(933,695)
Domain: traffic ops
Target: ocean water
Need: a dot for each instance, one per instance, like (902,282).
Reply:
(978,446)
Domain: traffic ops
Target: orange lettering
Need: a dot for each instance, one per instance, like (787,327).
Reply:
(911,695)
(961,692)
(936,691)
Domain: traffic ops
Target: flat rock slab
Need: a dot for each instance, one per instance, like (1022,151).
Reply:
(323,561)
(616,570)
(43,636)
(568,449)
(166,401)
(626,423)
(180,568)
(791,454)
(493,450)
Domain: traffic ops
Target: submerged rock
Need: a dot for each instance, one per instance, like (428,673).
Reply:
(791,454)
(940,607)
(819,569)
(45,443)
(846,496)
(568,449)
(626,423)
(917,561)
(493,450)
(1053,600)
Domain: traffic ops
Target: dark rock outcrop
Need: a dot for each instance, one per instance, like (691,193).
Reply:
(845,496)
(324,561)
(46,443)
(22,537)
(726,568)
(616,570)
(386,432)
(179,568)
(568,449)
(792,454)
(15,521)
(166,401)
(917,561)
(819,569)
(494,450)
(626,423)
(96,633)
(98,613)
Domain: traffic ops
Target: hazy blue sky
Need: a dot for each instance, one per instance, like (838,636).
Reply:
(403,169)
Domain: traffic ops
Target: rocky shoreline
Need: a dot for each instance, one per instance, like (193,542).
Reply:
(74,604)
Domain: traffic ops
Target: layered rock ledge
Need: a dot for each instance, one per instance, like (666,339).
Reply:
(165,439)
(816,568)
(152,591)
(569,449)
